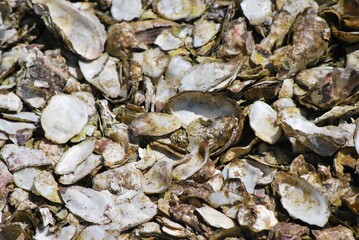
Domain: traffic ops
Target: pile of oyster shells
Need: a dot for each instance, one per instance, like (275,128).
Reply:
(179,119)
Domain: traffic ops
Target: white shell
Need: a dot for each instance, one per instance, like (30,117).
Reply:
(203,32)
(158,178)
(76,27)
(179,9)
(262,119)
(301,199)
(25,178)
(85,168)
(192,162)
(93,232)
(87,203)
(204,76)
(258,12)
(248,174)
(152,61)
(131,212)
(10,102)
(63,118)
(75,156)
(102,73)
(215,218)
(12,127)
(166,41)
(126,10)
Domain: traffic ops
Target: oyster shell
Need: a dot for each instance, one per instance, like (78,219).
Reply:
(89,24)
(87,203)
(262,119)
(46,186)
(102,73)
(75,156)
(179,9)
(301,199)
(21,157)
(63,118)
(215,218)
(10,102)
(125,10)
(153,62)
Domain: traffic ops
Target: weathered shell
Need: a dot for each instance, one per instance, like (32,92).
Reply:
(264,219)
(75,156)
(5,178)
(204,76)
(248,174)
(262,119)
(215,218)
(68,28)
(158,178)
(179,9)
(301,199)
(46,186)
(83,169)
(322,140)
(87,203)
(131,212)
(14,127)
(155,124)
(63,118)
(126,10)
(152,61)
(334,232)
(115,154)
(192,162)
(25,178)
(258,12)
(188,106)
(203,32)
(102,73)
(10,102)
(21,157)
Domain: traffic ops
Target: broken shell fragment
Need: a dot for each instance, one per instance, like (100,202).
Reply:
(153,62)
(21,157)
(179,9)
(63,118)
(215,218)
(86,167)
(204,76)
(301,199)
(46,186)
(102,73)
(75,156)
(25,178)
(155,124)
(262,119)
(10,102)
(126,10)
(87,203)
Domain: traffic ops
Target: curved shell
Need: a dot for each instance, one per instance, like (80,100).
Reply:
(76,28)
(301,199)
(188,106)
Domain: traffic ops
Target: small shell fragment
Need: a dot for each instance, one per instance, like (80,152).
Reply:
(155,124)
(301,199)
(102,73)
(153,62)
(21,157)
(25,178)
(126,10)
(63,118)
(85,168)
(215,218)
(10,102)
(262,119)
(203,32)
(179,9)
(75,156)
(46,186)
